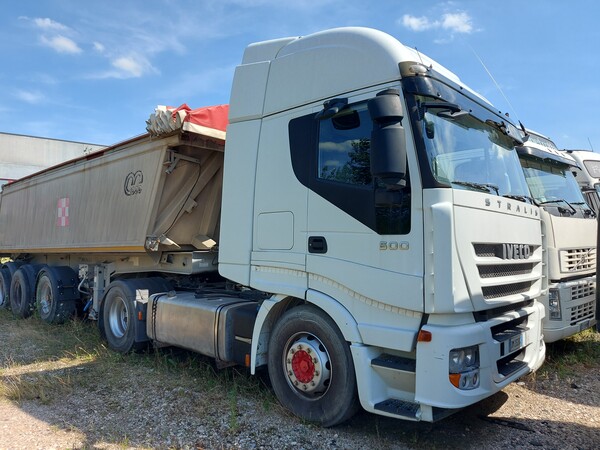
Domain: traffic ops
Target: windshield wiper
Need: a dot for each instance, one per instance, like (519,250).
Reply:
(484,187)
(559,200)
(521,198)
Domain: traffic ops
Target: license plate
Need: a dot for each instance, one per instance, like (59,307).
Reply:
(516,342)
(584,325)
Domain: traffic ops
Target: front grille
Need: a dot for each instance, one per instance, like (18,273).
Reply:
(511,337)
(583,291)
(582,312)
(504,290)
(578,259)
(504,270)
(498,263)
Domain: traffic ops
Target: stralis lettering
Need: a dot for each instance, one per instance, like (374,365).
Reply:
(527,210)
(516,251)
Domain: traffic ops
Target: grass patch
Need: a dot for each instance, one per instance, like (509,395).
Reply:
(45,362)
(565,356)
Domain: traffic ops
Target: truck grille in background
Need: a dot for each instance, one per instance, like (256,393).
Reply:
(577,259)
(582,312)
(582,291)
(496,266)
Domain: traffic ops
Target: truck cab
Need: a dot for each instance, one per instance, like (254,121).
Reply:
(376,199)
(587,174)
(569,234)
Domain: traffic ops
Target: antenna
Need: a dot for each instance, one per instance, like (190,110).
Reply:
(419,53)
(591,146)
(495,82)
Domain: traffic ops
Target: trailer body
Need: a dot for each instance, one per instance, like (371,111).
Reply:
(344,234)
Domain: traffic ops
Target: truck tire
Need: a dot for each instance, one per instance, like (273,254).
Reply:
(4,287)
(118,317)
(56,294)
(311,368)
(118,314)
(22,290)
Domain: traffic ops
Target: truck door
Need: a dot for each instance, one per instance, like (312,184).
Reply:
(364,241)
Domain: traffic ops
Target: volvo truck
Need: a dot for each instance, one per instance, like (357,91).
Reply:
(587,174)
(345,232)
(569,237)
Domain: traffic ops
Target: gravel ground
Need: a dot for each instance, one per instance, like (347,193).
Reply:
(553,414)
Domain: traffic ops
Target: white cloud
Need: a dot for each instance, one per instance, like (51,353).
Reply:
(132,66)
(49,24)
(99,47)
(460,22)
(61,44)
(457,22)
(418,23)
(30,97)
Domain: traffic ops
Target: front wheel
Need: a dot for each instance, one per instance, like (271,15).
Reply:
(310,367)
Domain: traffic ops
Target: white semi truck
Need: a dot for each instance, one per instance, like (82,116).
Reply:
(587,174)
(348,235)
(569,236)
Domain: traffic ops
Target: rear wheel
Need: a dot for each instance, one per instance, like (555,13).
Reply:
(22,291)
(310,367)
(118,322)
(118,316)
(55,294)
(4,287)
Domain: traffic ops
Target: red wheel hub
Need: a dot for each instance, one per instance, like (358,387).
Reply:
(303,366)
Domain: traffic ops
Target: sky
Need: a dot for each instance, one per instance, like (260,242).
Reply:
(93,71)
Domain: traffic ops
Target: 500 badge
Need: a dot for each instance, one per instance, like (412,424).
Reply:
(133,183)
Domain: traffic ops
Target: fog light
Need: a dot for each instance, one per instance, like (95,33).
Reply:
(554,312)
(463,370)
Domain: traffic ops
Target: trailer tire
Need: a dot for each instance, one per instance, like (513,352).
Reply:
(56,294)
(310,367)
(4,288)
(22,290)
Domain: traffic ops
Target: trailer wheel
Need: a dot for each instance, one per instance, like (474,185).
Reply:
(22,291)
(311,368)
(4,287)
(55,301)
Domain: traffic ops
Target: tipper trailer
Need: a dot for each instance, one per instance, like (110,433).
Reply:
(569,237)
(345,235)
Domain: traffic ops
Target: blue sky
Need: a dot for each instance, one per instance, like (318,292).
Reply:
(94,71)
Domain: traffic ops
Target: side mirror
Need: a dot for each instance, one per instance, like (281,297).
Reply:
(388,142)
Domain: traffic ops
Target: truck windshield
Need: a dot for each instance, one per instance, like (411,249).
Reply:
(550,183)
(469,153)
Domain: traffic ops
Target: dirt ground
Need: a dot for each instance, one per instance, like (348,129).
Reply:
(550,414)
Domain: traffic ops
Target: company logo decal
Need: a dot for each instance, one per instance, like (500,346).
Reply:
(133,183)
(516,251)
(63,212)
(526,210)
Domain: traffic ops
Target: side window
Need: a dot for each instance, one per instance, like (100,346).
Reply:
(332,157)
(344,147)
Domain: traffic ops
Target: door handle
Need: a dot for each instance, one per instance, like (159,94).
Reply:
(317,244)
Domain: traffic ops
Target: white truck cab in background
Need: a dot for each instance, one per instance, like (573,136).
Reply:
(569,236)
(587,174)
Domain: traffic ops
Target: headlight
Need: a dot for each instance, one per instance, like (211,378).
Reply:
(463,370)
(554,311)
